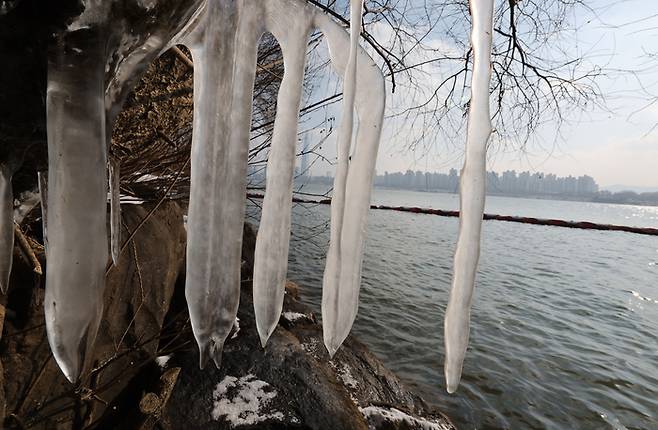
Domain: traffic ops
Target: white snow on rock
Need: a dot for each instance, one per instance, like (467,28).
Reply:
(162,360)
(294,316)
(345,375)
(243,401)
(377,416)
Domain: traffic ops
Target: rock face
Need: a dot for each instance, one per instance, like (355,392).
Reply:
(146,362)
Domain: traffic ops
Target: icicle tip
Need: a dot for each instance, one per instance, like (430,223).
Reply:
(332,346)
(452,381)
(264,335)
(210,350)
(4,280)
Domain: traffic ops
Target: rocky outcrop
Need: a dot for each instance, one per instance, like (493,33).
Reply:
(292,383)
(145,373)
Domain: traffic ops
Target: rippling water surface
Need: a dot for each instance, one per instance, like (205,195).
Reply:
(564,330)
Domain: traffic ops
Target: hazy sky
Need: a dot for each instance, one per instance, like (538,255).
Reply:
(617,146)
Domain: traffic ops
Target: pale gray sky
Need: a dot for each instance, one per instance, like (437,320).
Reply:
(618,146)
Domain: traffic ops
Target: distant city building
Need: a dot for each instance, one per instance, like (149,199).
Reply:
(509,182)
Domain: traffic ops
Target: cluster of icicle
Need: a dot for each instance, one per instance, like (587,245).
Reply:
(223,35)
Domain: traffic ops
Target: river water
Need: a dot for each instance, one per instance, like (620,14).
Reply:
(564,331)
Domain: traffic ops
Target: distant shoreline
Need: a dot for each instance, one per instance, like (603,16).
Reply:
(558,197)
(606,197)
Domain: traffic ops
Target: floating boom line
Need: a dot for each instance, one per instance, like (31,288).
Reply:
(582,225)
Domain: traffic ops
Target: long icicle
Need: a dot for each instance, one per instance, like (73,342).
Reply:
(77,198)
(224,54)
(370,100)
(271,254)
(331,289)
(472,194)
(342,276)
(115,208)
(6,227)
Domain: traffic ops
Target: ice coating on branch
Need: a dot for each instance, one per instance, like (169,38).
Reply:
(364,92)
(115,209)
(77,199)
(42,179)
(6,227)
(224,48)
(271,254)
(472,193)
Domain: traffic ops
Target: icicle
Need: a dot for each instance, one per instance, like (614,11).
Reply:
(42,178)
(332,305)
(224,50)
(77,237)
(363,90)
(472,194)
(6,227)
(271,255)
(115,209)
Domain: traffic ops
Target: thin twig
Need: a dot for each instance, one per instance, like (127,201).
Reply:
(27,250)
(181,56)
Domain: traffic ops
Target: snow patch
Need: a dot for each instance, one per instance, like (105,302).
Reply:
(127,199)
(244,405)
(312,347)
(162,360)
(345,375)
(147,177)
(147,4)
(294,316)
(130,200)
(377,416)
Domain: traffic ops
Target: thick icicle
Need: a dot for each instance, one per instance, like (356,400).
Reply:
(271,255)
(42,179)
(6,226)
(77,242)
(363,90)
(332,305)
(115,209)
(224,49)
(472,192)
